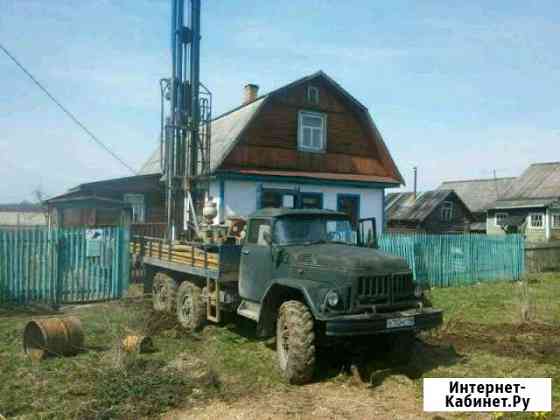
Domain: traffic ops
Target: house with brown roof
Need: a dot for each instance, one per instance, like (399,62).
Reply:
(478,195)
(437,211)
(309,144)
(531,205)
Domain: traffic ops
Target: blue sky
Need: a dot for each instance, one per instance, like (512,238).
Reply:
(457,88)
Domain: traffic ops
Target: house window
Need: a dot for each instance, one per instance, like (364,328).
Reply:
(350,204)
(536,220)
(500,217)
(278,198)
(555,220)
(138,207)
(447,211)
(312,131)
(313,95)
(311,201)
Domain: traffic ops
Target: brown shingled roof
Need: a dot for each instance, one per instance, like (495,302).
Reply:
(227,129)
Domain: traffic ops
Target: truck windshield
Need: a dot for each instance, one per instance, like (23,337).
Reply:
(312,229)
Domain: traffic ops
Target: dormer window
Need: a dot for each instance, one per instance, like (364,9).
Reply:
(447,211)
(313,95)
(136,201)
(312,131)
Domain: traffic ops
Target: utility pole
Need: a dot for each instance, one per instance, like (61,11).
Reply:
(496,184)
(415,168)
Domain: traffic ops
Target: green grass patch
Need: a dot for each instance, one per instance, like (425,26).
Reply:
(501,302)
(104,382)
(483,336)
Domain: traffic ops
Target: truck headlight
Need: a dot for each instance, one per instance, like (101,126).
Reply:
(418,291)
(332,298)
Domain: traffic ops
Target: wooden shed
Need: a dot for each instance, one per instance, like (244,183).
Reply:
(438,211)
(101,203)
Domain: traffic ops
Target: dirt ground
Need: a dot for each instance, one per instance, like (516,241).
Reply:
(371,392)
(396,398)
(318,401)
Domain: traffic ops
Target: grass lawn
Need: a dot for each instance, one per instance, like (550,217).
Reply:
(483,324)
(482,337)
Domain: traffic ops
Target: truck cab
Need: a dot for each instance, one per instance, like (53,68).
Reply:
(316,256)
(313,259)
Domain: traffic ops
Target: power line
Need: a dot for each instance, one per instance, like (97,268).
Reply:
(66,111)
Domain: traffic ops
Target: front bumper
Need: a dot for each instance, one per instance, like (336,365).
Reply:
(370,324)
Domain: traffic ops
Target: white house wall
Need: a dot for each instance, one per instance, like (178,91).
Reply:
(13,218)
(240,197)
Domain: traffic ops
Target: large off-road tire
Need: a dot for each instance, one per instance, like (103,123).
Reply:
(295,342)
(401,346)
(164,290)
(191,307)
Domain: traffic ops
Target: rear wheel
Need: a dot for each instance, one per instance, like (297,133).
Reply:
(163,292)
(191,308)
(295,342)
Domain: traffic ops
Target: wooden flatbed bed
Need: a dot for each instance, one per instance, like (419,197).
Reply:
(217,262)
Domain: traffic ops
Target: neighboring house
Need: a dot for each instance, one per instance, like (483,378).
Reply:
(531,205)
(308,144)
(101,203)
(438,211)
(478,194)
(22,214)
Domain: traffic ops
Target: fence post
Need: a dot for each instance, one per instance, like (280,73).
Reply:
(124,255)
(56,273)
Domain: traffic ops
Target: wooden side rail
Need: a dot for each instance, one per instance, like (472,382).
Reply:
(178,252)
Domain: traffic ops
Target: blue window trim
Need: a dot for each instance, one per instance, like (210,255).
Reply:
(310,194)
(382,225)
(295,192)
(285,191)
(349,195)
(259,195)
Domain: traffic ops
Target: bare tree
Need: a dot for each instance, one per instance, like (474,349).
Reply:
(39,199)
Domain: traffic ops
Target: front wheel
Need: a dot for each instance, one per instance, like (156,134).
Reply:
(295,342)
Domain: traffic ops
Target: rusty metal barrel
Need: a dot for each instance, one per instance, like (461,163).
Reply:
(53,336)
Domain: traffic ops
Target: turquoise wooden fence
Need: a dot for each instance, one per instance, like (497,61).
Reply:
(452,260)
(55,266)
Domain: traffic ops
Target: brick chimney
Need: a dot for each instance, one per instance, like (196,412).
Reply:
(250,93)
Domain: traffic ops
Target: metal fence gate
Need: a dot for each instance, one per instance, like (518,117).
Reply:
(63,265)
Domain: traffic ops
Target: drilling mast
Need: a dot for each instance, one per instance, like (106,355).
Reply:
(185,130)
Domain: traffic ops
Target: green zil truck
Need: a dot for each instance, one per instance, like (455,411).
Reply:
(303,276)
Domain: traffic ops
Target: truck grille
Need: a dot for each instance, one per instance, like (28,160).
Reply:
(385,289)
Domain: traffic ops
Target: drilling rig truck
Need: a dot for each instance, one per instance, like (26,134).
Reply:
(303,276)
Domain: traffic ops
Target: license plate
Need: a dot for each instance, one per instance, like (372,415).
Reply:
(400,322)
